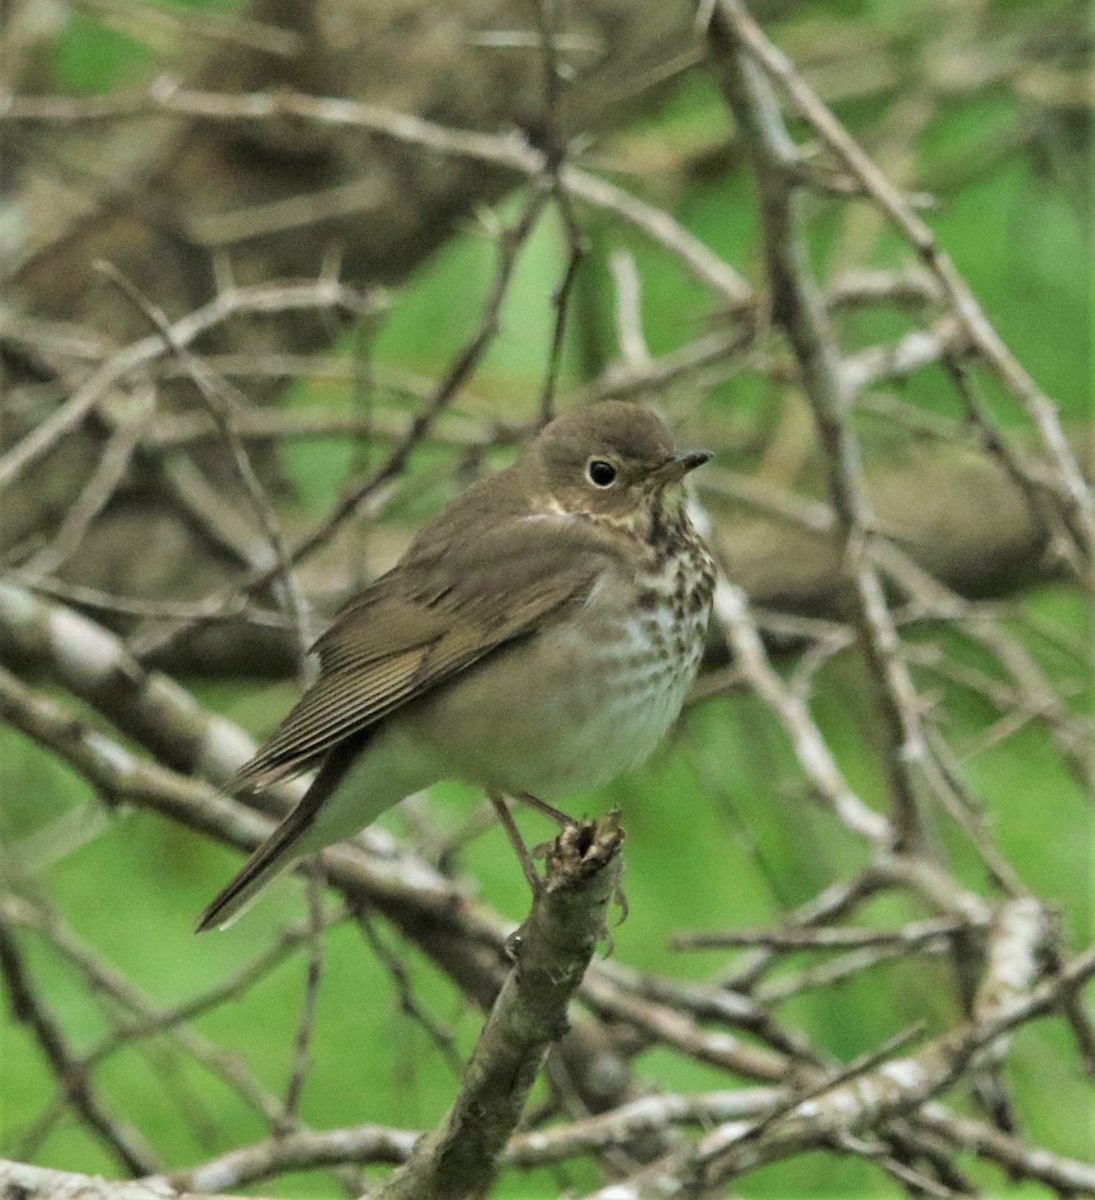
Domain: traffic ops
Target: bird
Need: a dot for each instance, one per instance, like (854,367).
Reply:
(537,639)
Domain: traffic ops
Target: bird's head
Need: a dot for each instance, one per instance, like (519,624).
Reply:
(613,460)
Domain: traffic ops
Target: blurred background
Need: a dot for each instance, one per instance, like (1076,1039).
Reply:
(128,207)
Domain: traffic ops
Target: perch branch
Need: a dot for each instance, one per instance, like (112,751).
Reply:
(552,950)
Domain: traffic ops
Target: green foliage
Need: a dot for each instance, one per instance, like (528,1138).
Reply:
(721,832)
(90,57)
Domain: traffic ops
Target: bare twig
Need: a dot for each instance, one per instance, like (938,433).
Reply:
(123,1142)
(260,299)
(553,949)
(393,466)
(797,307)
(301,1061)
(1077,496)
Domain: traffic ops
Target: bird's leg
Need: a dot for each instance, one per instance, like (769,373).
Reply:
(517,842)
(553,814)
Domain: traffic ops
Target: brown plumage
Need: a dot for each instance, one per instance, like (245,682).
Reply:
(466,659)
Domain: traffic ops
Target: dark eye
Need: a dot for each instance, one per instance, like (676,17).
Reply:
(601,474)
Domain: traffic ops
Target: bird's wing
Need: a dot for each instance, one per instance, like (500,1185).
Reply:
(432,616)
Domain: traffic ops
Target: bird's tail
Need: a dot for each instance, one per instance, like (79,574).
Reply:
(268,861)
(282,848)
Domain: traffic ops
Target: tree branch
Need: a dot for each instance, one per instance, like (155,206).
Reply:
(552,950)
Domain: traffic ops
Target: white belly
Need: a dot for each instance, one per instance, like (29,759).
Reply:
(569,710)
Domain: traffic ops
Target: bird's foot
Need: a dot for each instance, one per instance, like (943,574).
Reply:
(535,880)
(553,814)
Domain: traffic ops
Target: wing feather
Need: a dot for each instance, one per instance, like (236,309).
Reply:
(336,706)
(438,612)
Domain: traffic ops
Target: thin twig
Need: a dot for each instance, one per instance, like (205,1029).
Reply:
(1077,496)
(393,466)
(123,1142)
(260,299)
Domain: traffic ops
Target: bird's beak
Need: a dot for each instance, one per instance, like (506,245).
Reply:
(677,467)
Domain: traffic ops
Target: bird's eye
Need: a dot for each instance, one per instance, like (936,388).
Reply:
(601,474)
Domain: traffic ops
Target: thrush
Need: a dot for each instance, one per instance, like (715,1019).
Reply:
(537,639)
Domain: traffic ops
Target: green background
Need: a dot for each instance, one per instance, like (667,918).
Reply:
(721,832)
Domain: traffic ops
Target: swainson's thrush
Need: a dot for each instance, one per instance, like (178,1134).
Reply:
(538,638)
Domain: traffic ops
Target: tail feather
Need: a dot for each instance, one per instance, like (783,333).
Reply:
(276,853)
(268,861)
